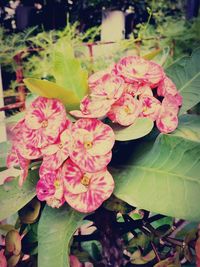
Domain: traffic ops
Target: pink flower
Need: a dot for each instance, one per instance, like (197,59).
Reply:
(54,155)
(85,191)
(15,159)
(18,137)
(136,69)
(110,88)
(166,86)
(50,187)
(125,111)
(136,89)
(167,120)
(103,95)
(92,141)
(92,108)
(97,77)
(45,119)
(3,261)
(150,107)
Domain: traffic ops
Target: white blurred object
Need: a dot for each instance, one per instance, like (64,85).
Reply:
(3,136)
(113,26)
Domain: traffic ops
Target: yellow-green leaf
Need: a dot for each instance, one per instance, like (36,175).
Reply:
(52,90)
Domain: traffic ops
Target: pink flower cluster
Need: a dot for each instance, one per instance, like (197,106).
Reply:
(74,155)
(132,88)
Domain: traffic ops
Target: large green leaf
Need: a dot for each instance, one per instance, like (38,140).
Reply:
(52,90)
(55,230)
(140,128)
(67,70)
(185,73)
(13,197)
(166,178)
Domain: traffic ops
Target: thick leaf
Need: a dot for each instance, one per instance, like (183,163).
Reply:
(67,70)
(185,73)
(140,128)
(165,179)
(4,148)
(55,230)
(52,90)
(13,197)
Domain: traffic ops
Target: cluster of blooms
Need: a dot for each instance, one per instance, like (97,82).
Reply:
(132,88)
(74,156)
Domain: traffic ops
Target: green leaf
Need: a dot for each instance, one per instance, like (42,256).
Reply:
(140,128)
(165,179)
(185,73)
(4,148)
(67,70)
(55,230)
(13,197)
(52,90)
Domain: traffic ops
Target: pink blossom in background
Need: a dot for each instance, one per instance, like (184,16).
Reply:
(3,261)
(45,119)
(125,111)
(50,187)
(136,69)
(92,141)
(150,107)
(55,154)
(85,191)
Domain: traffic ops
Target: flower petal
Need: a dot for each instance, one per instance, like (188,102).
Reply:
(100,189)
(72,176)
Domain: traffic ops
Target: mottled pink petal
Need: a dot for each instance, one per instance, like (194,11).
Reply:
(90,163)
(46,118)
(54,161)
(167,122)
(50,187)
(166,86)
(72,176)
(136,89)
(150,107)
(111,87)
(92,108)
(170,103)
(3,261)
(125,111)
(136,69)
(155,74)
(99,188)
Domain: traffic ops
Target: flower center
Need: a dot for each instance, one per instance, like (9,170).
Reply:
(88,144)
(60,146)
(127,110)
(85,180)
(57,183)
(44,123)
